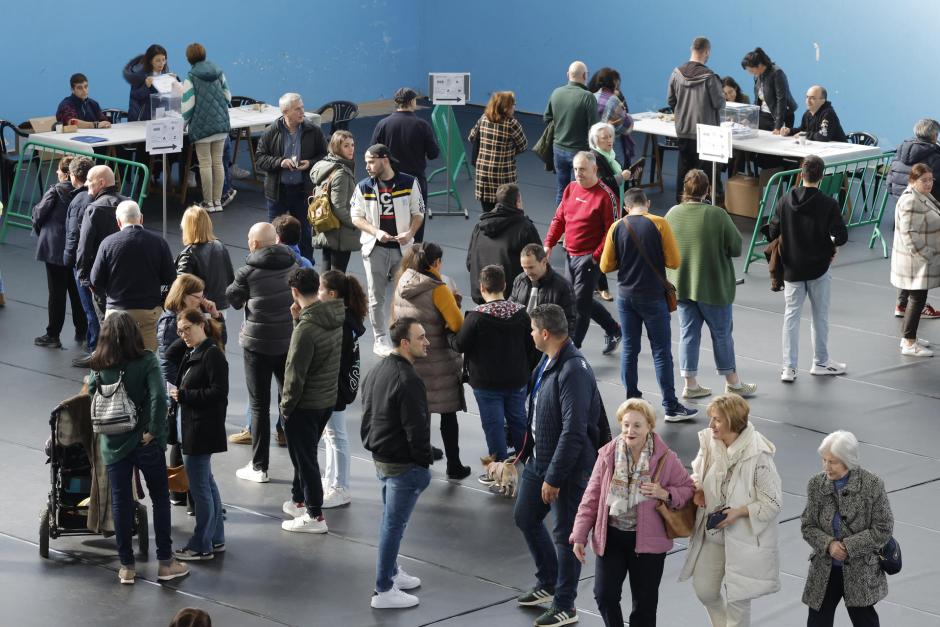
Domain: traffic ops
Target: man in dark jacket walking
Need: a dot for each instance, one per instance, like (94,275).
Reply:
(286,152)
(564,419)
(499,237)
(811,227)
(79,169)
(396,429)
(539,284)
(261,287)
(696,98)
(573,111)
(820,122)
(496,342)
(98,223)
(311,381)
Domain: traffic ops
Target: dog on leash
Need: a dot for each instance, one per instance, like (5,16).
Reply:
(504,475)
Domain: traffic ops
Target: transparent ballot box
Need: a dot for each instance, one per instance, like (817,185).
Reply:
(166,106)
(742,118)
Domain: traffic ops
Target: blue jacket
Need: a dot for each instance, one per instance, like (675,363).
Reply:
(131,268)
(302,261)
(138,108)
(912,151)
(49,217)
(73,224)
(72,106)
(570,420)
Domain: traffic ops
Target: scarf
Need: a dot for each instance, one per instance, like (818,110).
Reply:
(624,493)
(611,157)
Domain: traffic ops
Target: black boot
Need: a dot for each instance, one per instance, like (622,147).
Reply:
(449,433)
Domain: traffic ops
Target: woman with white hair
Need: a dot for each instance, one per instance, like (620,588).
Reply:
(846,522)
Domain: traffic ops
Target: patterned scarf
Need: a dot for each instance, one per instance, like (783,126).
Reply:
(624,493)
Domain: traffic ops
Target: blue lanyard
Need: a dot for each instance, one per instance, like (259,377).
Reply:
(538,377)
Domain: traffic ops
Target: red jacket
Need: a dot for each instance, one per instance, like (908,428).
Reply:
(650,529)
(583,217)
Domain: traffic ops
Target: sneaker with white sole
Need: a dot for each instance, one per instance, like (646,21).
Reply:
(404,581)
(305,524)
(697,392)
(250,473)
(238,172)
(553,617)
(173,570)
(744,390)
(393,599)
(229,197)
(920,340)
(916,350)
(294,510)
(337,497)
(536,596)
(788,375)
(830,368)
(215,207)
(188,555)
(126,575)
(680,413)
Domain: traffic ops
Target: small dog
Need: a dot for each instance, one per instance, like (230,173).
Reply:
(504,475)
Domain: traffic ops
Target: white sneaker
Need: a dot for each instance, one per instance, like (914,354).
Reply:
(214,208)
(404,581)
(237,172)
(788,375)
(916,350)
(393,599)
(293,509)
(920,340)
(305,524)
(337,497)
(248,473)
(828,368)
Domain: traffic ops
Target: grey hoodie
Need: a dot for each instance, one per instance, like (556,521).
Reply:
(695,97)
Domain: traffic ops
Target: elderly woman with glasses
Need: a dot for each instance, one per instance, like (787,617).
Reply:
(846,522)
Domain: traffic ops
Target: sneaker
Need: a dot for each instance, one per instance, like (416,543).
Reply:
(188,555)
(218,548)
(294,510)
(697,392)
(437,453)
(214,207)
(916,350)
(744,390)
(229,197)
(610,343)
(393,599)
(337,497)
(485,479)
(82,362)
(205,204)
(404,581)
(280,438)
(305,524)
(680,413)
(173,570)
(554,617)
(899,311)
(458,472)
(920,340)
(47,341)
(126,575)
(828,368)
(536,596)
(605,295)
(929,312)
(788,375)
(249,473)
(242,437)
(237,172)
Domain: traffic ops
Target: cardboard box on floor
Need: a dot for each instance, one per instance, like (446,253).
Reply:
(743,193)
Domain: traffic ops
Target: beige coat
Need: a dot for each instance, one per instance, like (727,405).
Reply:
(915,254)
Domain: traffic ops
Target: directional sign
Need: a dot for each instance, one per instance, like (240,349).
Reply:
(450,88)
(164,136)
(714,142)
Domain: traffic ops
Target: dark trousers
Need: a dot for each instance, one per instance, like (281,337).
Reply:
(860,616)
(645,570)
(149,459)
(61,281)
(583,274)
(450,434)
(259,369)
(687,159)
(913,302)
(335,259)
(303,429)
(292,199)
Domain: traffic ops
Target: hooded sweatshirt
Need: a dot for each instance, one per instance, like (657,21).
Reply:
(496,342)
(206,98)
(311,376)
(498,239)
(823,126)
(695,97)
(811,226)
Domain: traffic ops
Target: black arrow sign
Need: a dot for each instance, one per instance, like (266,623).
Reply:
(448,99)
(163,147)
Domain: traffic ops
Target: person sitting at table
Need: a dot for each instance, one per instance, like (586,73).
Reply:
(771,91)
(820,122)
(80,110)
(732,91)
(139,73)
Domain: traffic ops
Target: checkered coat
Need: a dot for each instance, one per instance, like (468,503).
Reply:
(496,164)
(915,255)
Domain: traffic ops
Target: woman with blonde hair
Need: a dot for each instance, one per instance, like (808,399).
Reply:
(205,256)
(338,169)
(500,138)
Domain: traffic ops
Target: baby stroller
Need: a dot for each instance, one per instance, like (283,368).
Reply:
(72,480)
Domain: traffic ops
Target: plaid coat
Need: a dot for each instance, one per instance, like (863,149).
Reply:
(915,254)
(496,163)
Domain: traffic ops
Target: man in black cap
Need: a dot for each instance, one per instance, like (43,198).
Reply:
(411,140)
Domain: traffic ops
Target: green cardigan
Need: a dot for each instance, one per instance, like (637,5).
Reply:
(144,383)
(708,240)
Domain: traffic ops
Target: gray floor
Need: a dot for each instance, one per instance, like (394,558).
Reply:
(461,540)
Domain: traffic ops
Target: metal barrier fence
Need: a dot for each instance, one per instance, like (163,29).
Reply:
(859,185)
(36,171)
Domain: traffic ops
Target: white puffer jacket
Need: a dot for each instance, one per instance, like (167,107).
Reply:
(752,561)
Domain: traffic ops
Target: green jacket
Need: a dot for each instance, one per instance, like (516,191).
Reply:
(346,237)
(573,109)
(707,240)
(144,383)
(311,377)
(205,101)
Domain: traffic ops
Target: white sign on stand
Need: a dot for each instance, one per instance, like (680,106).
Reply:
(449,88)
(165,136)
(714,143)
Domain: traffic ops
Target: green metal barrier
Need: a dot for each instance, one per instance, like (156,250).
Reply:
(455,156)
(36,172)
(859,185)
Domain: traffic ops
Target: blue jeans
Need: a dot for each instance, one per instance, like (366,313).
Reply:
(556,566)
(226,164)
(634,315)
(718,318)
(563,165)
(795,293)
(94,327)
(336,467)
(292,199)
(210,528)
(399,497)
(497,409)
(152,464)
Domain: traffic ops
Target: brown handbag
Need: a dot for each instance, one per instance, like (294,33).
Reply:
(177,478)
(680,523)
(672,300)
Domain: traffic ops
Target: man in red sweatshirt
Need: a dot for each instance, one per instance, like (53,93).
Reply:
(587,210)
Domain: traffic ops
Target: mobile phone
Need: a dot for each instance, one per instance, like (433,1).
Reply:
(715,518)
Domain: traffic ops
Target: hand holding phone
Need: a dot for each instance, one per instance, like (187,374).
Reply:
(716,517)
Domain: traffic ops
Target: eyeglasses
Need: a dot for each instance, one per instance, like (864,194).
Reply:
(183,330)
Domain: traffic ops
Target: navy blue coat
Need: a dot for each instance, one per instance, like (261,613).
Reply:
(73,224)
(911,152)
(131,267)
(138,108)
(49,217)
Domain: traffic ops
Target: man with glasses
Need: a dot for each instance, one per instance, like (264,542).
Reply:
(820,122)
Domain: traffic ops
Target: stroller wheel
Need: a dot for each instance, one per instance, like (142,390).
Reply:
(44,533)
(143,530)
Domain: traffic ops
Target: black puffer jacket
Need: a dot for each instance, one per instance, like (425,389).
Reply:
(210,262)
(261,287)
(98,223)
(553,288)
(911,152)
(49,218)
(497,239)
(203,399)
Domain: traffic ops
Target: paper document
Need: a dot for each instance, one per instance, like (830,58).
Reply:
(166,83)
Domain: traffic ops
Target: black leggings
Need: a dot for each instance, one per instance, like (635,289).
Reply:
(860,616)
(335,259)
(645,570)
(914,301)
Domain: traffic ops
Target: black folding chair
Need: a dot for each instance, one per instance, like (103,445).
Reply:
(11,158)
(344,111)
